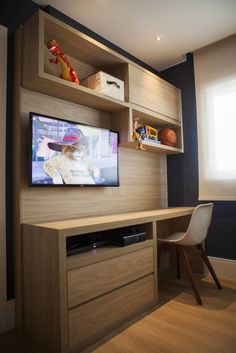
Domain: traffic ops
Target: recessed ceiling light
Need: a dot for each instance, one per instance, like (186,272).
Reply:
(158,38)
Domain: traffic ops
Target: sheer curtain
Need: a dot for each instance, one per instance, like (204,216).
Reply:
(215,81)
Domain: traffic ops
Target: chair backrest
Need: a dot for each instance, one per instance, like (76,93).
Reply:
(198,225)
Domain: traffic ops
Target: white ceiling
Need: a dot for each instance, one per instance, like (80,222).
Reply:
(133,25)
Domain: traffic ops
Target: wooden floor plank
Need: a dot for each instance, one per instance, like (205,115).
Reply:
(178,325)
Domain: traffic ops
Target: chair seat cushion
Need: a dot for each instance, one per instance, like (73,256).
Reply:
(173,238)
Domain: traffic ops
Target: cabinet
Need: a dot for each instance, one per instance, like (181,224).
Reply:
(152,92)
(105,313)
(88,282)
(124,124)
(71,302)
(147,97)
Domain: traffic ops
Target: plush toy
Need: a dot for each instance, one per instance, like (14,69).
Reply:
(67,72)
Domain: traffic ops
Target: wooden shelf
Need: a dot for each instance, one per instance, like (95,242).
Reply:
(86,55)
(161,108)
(149,116)
(57,87)
(152,147)
(78,226)
(158,121)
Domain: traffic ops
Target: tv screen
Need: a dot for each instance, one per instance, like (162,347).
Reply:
(65,153)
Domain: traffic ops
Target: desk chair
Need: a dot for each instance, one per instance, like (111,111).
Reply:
(194,236)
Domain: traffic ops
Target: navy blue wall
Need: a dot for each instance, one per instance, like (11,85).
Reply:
(183,169)
(12,14)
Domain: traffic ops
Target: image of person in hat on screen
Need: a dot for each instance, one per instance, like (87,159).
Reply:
(72,165)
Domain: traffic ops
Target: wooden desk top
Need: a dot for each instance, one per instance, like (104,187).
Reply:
(98,223)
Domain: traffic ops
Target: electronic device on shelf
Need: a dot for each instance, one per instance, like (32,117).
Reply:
(118,237)
(128,236)
(79,244)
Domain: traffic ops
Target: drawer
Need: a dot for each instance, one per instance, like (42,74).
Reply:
(90,281)
(152,92)
(95,319)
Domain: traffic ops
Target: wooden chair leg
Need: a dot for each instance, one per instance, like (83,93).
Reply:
(178,263)
(209,266)
(190,276)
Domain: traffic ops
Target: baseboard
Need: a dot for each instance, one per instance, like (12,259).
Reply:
(224,268)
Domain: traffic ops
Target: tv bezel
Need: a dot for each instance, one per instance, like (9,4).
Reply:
(31,114)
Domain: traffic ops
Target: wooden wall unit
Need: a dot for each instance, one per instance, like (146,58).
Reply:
(143,186)
(157,101)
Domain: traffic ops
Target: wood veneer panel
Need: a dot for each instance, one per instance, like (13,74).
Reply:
(93,280)
(91,224)
(96,318)
(154,93)
(104,253)
(78,44)
(44,288)
(153,147)
(87,55)
(142,176)
(63,89)
(150,117)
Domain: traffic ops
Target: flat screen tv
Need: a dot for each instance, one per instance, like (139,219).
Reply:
(66,153)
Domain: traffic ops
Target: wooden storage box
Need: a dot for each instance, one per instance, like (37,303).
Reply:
(104,83)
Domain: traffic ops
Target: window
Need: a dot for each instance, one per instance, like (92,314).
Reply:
(221,131)
(215,78)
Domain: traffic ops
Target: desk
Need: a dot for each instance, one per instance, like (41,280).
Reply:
(71,302)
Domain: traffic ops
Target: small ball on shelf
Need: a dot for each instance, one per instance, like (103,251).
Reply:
(168,137)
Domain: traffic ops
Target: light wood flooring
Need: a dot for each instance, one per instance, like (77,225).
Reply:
(178,325)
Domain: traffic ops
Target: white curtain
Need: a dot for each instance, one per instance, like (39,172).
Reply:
(215,81)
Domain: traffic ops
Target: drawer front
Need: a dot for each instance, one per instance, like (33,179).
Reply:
(153,93)
(90,281)
(93,320)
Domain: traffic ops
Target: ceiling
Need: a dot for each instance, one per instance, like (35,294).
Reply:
(182,25)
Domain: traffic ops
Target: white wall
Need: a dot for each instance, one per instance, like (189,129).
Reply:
(6,307)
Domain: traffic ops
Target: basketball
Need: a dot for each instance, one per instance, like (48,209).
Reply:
(167,137)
